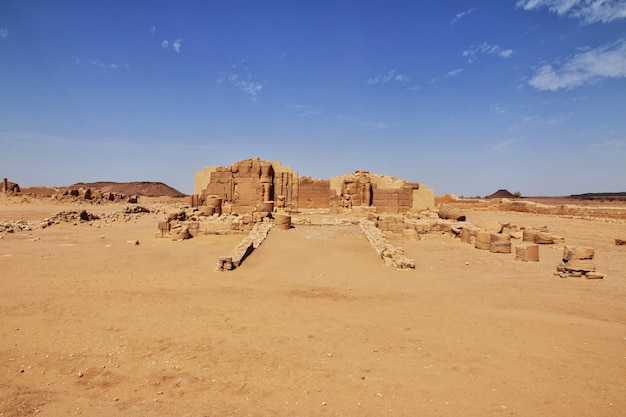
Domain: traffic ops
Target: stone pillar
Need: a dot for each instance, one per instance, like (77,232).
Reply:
(5,185)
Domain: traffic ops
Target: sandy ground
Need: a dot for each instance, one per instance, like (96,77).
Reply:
(312,324)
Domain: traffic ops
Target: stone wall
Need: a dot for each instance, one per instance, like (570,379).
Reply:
(314,193)
(242,186)
(245,185)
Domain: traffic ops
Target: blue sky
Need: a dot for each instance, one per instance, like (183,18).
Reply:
(465,96)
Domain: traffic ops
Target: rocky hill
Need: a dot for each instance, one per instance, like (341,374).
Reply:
(142,188)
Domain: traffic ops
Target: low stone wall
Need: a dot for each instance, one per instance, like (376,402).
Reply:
(525,206)
(392,256)
(251,242)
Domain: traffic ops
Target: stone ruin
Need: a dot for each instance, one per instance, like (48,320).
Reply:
(254,184)
(10,187)
(255,195)
(262,192)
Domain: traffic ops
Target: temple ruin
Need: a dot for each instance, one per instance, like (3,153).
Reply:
(256,185)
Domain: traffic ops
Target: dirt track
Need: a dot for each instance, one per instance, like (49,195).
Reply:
(311,324)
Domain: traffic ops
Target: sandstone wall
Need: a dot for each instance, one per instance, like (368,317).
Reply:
(423,198)
(244,185)
(314,193)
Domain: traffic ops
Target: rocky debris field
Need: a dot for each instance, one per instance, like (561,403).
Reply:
(73,217)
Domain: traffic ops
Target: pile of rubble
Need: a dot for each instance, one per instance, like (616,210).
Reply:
(393,256)
(98,197)
(578,262)
(74,217)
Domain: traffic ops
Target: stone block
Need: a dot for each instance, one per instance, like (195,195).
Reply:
(527,252)
(577,252)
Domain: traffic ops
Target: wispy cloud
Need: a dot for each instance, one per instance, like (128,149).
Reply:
(392,75)
(497,108)
(593,65)
(245,84)
(536,121)
(4,33)
(100,64)
(461,15)
(176,44)
(449,74)
(152,30)
(305,110)
(484,48)
(29,138)
(503,146)
(297,106)
(377,125)
(453,73)
(614,144)
(588,11)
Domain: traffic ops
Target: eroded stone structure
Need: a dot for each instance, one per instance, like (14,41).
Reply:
(244,185)
(257,185)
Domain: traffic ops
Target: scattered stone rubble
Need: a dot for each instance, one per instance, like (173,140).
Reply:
(85,194)
(578,262)
(608,214)
(393,256)
(74,217)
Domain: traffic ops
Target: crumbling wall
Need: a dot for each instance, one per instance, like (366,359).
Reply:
(314,193)
(391,195)
(244,185)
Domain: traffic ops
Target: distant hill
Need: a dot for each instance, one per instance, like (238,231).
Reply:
(600,196)
(501,194)
(144,188)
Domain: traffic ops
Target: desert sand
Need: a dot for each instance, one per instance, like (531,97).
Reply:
(311,324)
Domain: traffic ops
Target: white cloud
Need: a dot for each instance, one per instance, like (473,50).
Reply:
(247,86)
(538,122)
(305,109)
(614,144)
(454,73)
(4,33)
(461,15)
(391,75)
(588,11)
(449,74)
(484,48)
(100,64)
(176,44)
(298,106)
(591,66)
(497,109)
(152,30)
(502,146)
(377,125)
